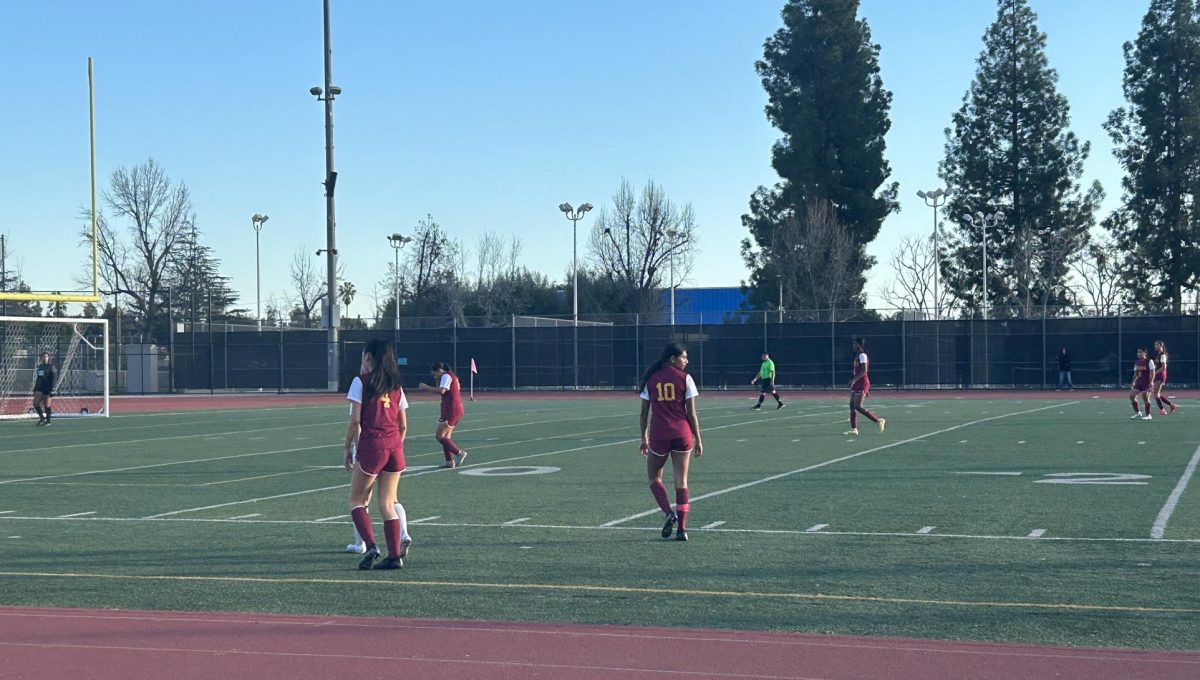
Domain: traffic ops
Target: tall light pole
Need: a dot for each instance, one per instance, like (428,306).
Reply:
(327,95)
(980,221)
(779,278)
(397,241)
(575,214)
(257,223)
(672,236)
(936,199)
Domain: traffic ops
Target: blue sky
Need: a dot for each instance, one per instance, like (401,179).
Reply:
(486,115)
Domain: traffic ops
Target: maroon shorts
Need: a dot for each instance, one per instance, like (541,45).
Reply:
(861,387)
(1142,386)
(380,455)
(450,419)
(1161,378)
(661,446)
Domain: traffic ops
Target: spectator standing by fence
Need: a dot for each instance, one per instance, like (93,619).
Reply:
(1064,370)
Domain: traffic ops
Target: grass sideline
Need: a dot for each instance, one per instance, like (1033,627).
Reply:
(1024,520)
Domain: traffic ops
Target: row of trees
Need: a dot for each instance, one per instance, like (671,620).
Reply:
(1009,156)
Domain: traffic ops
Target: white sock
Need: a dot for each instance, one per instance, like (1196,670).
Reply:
(357,538)
(403,520)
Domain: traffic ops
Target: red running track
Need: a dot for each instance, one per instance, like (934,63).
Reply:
(48,643)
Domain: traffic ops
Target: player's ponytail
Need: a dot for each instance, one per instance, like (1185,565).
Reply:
(441,366)
(673,349)
(385,372)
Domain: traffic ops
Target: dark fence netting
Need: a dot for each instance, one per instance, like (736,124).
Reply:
(998,353)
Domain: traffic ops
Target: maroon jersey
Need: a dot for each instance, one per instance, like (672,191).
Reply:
(1160,366)
(668,390)
(381,414)
(1141,374)
(452,406)
(863,384)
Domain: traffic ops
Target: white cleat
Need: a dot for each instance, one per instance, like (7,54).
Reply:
(1135,416)
(1147,417)
(882,424)
(459,458)
(853,431)
(357,548)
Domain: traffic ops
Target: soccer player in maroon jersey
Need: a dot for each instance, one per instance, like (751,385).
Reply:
(1160,378)
(670,428)
(860,389)
(377,423)
(1143,383)
(451,412)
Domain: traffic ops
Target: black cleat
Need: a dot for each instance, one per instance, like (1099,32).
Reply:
(368,558)
(680,535)
(670,524)
(391,563)
(779,406)
(756,407)
(41,421)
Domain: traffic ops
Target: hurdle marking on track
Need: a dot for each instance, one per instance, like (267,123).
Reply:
(739,487)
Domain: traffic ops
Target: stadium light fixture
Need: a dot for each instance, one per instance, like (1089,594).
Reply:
(397,242)
(575,215)
(257,222)
(936,199)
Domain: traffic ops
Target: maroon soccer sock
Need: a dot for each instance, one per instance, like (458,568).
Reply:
(1133,403)
(449,446)
(1158,401)
(1146,401)
(1166,401)
(362,523)
(853,419)
(681,507)
(660,496)
(391,534)
(445,449)
(870,416)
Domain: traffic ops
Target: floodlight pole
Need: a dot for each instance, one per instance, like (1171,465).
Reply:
(575,214)
(257,222)
(329,92)
(936,199)
(397,242)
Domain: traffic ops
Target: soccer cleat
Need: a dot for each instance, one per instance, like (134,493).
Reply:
(1172,410)
(756,407)
(405,544)
(448,464)
(680,535)
(357,548)
(779,406)
(1162,412)
(391,563)
(459,458)
(853,431)
(369,558)
(1147,417)
(669,525)
(882,424)
(1135,416)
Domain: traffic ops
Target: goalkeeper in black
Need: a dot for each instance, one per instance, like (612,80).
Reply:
(43,389)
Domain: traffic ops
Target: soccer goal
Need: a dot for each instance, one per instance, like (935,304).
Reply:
(79,352)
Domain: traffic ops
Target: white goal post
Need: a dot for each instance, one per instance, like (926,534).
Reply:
(79,352)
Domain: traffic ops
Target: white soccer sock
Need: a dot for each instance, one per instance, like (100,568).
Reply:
(403,516)
(357,537)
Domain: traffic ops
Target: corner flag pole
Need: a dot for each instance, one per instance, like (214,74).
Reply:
(473,372)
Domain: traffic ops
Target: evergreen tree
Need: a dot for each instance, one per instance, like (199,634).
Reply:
(1157,141)
(821,74)
(196,283)
(1009,149)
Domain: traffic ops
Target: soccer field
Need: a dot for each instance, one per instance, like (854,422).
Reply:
(1042,520)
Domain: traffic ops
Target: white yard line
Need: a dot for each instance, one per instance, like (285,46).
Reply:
(330,519)
(246,516)
(424,519)
(713,525)
(1037,533)
(1164,515)
(78,514)
(772,478)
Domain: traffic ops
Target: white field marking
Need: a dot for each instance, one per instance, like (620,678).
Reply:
(1021,442)
(713,525)
(214,439)
(963,441)
(245,516)
(864,452)
(1141,443)
(424,519)
(256,438)
(741,440)
(998,474)
(1037,533)
(815,528)
(1164,515)
(78,514)
(155,465)
(307,468)
(926,530)
(1079,442)
(439,470)
(769,532)
(303,438)
(180,436)
(5,512)
(514,522)
(588,439)
(491,439)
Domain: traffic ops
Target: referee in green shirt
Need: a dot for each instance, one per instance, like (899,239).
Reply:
(766,382)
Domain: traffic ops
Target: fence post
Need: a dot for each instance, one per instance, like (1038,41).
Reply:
(1120,355)
(637,350)
(212,359)
(281,385)
(832,348)
(454,341)
(513,326)
(701,348)
(766,348)
(903,352)
(171,340)
(1043,347)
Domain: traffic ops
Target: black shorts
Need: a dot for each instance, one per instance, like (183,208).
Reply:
(47,393)
(766,385)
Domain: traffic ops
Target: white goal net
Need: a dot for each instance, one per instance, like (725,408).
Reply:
(79,353)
